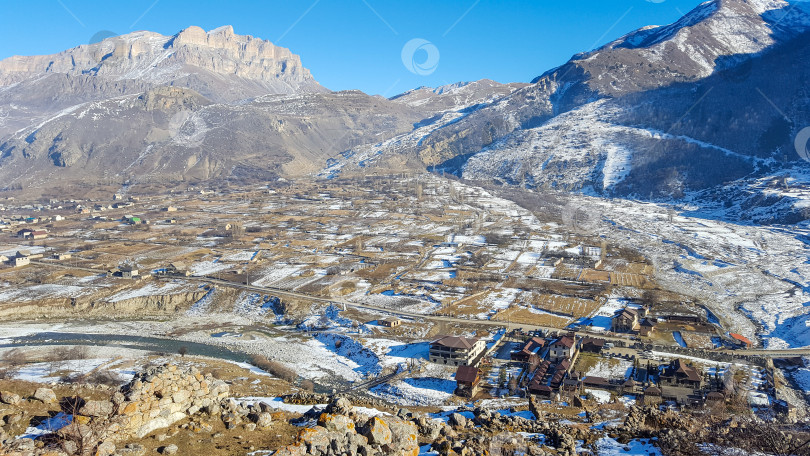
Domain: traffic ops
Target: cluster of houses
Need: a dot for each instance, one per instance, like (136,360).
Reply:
(632,320)
(9,224)
(549,370)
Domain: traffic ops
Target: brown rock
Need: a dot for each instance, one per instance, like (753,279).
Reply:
(130,409)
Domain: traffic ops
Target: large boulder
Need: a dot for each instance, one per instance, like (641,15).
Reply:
(45,395)
(377,431)
(264,420)
(97,408)
(457,420)
(7,397)
(405,439)
(336,423)
(316,440)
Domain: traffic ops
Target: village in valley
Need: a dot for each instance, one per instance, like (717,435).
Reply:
(414,291)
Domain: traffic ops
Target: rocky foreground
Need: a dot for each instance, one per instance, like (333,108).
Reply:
(168,396)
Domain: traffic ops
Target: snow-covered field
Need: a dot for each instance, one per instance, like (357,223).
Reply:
(609,369)
(746,275)
(417,391)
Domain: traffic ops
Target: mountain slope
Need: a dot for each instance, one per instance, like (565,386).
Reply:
(709,40)
(717,96)
(196,106)
(220,65)
(172,134)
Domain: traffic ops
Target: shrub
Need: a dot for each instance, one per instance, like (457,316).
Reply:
(9,372)
(15,357)
(274,368)
(99,377)
(308,386)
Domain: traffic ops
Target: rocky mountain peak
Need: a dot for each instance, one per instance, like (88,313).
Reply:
(220,64)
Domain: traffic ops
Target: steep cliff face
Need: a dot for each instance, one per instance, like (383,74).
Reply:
(219,64)
(99,306)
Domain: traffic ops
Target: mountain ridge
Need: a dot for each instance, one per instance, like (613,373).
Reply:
(158,59)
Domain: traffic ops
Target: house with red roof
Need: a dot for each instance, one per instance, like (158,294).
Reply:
(531,351)
(740,341)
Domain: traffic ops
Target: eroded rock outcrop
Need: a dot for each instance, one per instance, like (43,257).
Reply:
(162,396)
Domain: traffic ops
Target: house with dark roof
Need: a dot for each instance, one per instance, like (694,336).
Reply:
(678,373)
(22,258)
(625,320)
(592,345)
(630,387)
(456,351)
(531,351)
(467,380)
(562,348)
(560,373)
(601,383)
(646,327)
(129,271)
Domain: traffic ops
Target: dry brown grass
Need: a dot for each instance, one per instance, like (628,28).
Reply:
(471,305)
(575,307)
(592,275)
(524,316)
(382,271)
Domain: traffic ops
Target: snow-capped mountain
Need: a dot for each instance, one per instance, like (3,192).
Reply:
(194,106)
(666,112)
(245,66)
(458,96)
(715,97)
(220,65)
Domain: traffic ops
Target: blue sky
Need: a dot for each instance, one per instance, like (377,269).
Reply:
(358,44)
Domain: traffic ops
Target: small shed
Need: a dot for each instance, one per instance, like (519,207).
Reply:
(715,397)
(652,396)
(390,322)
